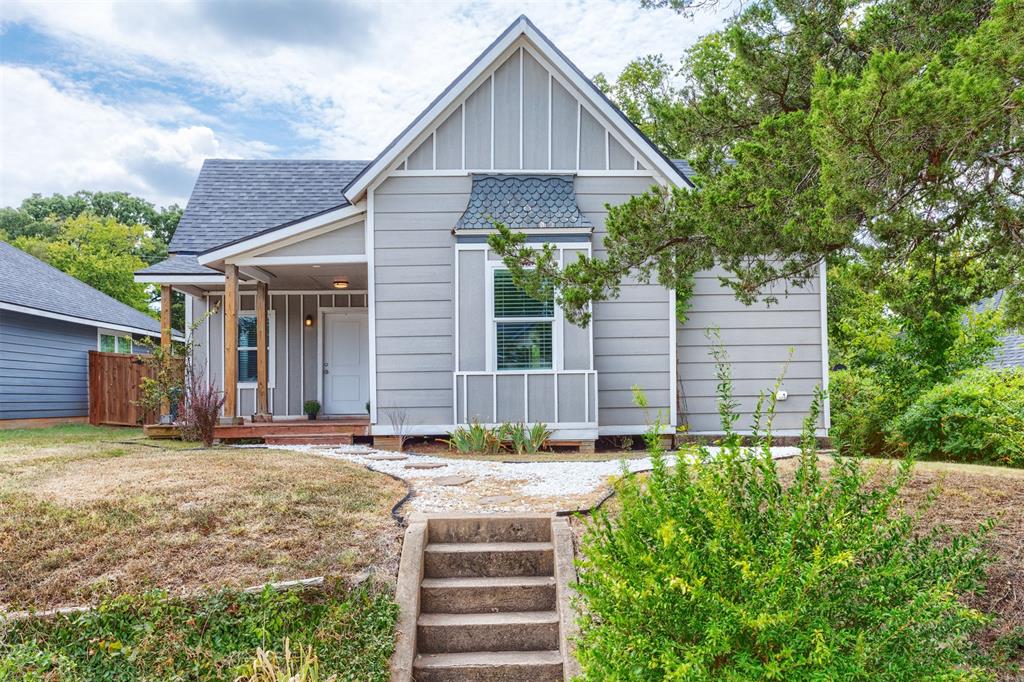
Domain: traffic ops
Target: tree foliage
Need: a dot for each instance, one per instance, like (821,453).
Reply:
(101,252)
(888,131)
(101,238)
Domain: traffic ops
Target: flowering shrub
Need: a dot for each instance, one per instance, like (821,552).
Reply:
(716,569)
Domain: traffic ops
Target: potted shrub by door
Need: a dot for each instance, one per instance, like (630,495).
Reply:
(311,408)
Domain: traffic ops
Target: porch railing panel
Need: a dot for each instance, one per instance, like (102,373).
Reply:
(561,397)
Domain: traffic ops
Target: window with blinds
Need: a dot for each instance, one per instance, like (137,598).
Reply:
(523,326)
(247,351)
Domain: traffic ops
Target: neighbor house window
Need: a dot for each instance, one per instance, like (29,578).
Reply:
(111,343)
(523,326)
(247,349)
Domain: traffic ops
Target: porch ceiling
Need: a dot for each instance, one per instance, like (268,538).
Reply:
(300,277)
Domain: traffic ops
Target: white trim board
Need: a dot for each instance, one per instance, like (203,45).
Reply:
(826,408)
(179,279)
(81,320)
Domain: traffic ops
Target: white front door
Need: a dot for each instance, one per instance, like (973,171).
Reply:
(346,365)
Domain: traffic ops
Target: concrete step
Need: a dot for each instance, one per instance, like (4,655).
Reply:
(487,595)
(449,633)
(489,666)
(308,439)
(488,559)
(490,528)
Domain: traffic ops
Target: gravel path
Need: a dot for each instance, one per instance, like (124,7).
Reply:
(442,484)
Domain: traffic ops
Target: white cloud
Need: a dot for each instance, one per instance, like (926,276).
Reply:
(56,138)
(367,70)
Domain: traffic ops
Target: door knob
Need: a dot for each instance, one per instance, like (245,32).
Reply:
(325,371)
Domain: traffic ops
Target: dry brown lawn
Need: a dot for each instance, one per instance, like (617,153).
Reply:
(87,512)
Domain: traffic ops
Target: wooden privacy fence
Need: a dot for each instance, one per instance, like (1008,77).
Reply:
(114,392)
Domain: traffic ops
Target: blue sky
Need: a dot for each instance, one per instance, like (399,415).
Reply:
(134,95)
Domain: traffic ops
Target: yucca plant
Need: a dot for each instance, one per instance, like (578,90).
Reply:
(476,438)
(527,440)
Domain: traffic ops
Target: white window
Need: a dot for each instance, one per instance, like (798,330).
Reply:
(247,350)
(523,326)
(115,343)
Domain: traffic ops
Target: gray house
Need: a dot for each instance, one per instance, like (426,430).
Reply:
(369,286)
(49,321)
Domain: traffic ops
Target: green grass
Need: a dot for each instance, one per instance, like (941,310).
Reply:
(68,433)
(153,636)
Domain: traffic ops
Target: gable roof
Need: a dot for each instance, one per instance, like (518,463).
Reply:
(30,286)
(521,26)
(234,199)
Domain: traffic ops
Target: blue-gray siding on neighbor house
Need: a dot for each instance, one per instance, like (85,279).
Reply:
(44,367)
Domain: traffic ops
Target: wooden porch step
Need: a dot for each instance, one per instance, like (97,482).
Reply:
(308,439)
(263,429)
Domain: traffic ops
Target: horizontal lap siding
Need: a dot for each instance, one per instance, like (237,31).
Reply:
(44,367)
(414,260)
(760,340)
(632,345)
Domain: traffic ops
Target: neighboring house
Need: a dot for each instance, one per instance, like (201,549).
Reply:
(49,321)
(382,293)
(1010,352)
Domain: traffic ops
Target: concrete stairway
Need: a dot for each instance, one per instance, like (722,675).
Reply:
(485,600)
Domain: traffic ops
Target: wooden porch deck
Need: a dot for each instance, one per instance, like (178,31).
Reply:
(325,431)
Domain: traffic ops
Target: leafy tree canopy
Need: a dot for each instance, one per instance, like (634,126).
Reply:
(887,131)
(40,216)
(101,238)
(101,252)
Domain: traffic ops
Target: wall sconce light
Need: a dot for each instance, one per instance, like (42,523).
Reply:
(341,283)
(309,320)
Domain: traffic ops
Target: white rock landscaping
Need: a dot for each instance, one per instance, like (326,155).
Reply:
(494,486)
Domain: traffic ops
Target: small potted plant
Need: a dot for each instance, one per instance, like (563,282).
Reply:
(311,408)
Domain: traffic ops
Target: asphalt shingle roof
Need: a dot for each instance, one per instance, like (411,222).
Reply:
(233,199)
(1010,352)
(179,264)
(29,282)
(522,201)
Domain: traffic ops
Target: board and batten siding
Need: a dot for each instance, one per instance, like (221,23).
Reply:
(44,367)
(522,115)
(759,340)
(293,346)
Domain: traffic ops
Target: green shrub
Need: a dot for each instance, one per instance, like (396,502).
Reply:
(154,636)
(979,417)
(518,437)
(718,570)
(527,440)
(861,411)
(476,438)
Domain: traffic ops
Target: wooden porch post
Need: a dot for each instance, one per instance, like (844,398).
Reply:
(165,342)
(262,359)
(230,344)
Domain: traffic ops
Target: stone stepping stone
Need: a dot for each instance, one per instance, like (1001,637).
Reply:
(387,458)
(425,465)
(497,499)
(452,480)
